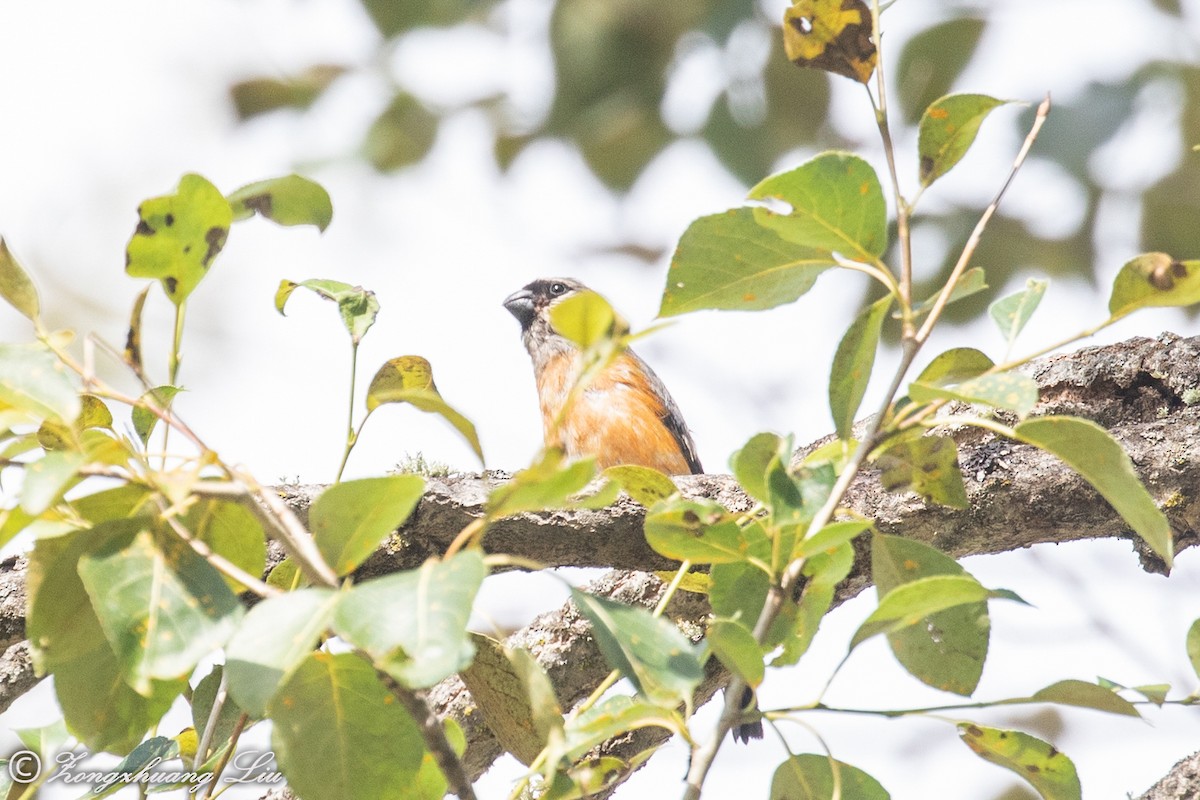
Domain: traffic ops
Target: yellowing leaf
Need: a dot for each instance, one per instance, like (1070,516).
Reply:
(831,35)
(409,379)
(1154,279)
(178,236)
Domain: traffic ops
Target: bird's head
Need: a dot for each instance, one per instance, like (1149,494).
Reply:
(531,306)
(533,301)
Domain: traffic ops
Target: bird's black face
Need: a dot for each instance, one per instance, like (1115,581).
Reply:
(532,300)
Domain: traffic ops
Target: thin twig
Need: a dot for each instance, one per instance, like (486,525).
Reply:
(433,734)
(973,242)
(286,529)
(218,561)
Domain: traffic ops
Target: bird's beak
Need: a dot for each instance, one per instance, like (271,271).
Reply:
(520,305)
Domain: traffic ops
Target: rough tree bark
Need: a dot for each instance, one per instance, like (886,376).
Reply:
(1146,392)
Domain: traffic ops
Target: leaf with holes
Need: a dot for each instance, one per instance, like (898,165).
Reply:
(831,35)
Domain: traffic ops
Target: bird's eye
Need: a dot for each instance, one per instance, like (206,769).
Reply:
(557,288)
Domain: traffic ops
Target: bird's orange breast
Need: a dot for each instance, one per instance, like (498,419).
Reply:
(618,418)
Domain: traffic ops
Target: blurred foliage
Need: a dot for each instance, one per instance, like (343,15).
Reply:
(620,65)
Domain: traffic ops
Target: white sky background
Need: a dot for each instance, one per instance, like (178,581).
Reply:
(104,105)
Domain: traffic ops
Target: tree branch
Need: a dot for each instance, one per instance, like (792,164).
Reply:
(1145,391)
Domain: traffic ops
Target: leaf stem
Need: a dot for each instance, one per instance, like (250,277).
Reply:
(903,209)
(351,433)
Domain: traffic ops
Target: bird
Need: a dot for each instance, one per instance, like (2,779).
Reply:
(625,415)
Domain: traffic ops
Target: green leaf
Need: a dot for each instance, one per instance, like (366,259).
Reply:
(932,60)
(948,650)
(141,759)
(47,478)
(409,379)
(349,520)
(738,591)
(852,365)
(549,483)
(402,134)
(16,287)
(970,282)
(829,538)
(955,366)
(734,644)
(645,485)
(204,698)
(1193,646)
(260,95)
(356,305)
(586,319)
(751,463)
(1010,390)
(178,236)
(928,465)
(66,637)
(811,777)
(143,418)
(93,414)
(430,784)
(1050,772)
(339,733)
(729,261)
(1099,458)
(33,379)
(1012,312)
(232,531)
(272,641)
(289,200)
(947,130)
(649,651)
(837,206)
(614,717)
(162,607)
(1154,280)
(705,533)
(910,603)
(414,623)
(1086,695)
(824,571)
(516,698)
